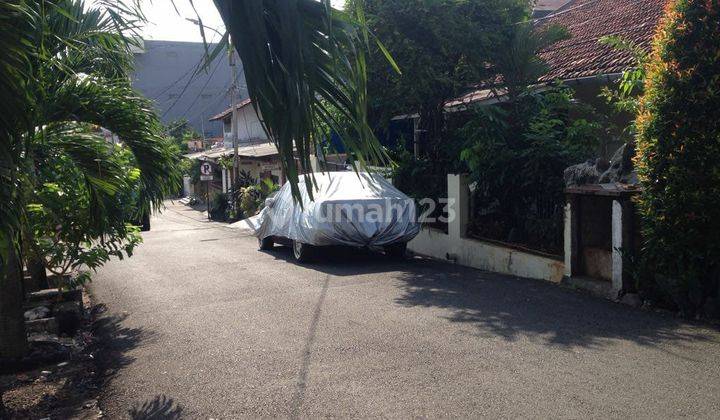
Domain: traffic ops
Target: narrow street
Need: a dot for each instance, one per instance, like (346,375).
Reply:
(201,324)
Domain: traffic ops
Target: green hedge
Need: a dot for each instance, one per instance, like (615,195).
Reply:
(678,159)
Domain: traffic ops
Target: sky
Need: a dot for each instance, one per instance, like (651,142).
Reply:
(166,24)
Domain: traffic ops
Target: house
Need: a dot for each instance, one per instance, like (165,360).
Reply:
(249,128)
(582,61)
(599,219)
(257,155)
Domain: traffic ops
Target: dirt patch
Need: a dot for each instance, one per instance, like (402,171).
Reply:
(58,379)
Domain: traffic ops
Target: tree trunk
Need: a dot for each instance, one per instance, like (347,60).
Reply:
(36,267)
(13,341)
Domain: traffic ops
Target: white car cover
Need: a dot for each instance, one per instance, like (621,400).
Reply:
(348,208)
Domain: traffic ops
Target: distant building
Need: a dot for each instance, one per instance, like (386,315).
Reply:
(163,71)
(545,7)
(257,155)
(195,145)
(248,124)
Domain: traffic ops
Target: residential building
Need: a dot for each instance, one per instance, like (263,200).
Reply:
(249,128)
(582,61)
(257,155)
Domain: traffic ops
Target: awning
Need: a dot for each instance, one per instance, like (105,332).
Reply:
(254,150)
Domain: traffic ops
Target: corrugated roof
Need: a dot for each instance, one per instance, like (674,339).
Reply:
(253,150)
(241,104)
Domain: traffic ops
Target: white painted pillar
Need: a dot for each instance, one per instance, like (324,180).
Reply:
(458,205)
(224,180)
(186,185)
(567,239)
(314,163)
(617,244)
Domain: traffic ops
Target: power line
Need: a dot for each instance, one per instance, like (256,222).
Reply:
(204,86)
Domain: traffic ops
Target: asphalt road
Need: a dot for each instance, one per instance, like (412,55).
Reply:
(200,324)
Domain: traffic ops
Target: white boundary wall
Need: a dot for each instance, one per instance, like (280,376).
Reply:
(478,254)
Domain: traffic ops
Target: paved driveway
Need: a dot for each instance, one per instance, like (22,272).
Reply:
(201,324)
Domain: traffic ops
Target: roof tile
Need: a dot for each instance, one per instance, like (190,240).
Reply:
(588,21)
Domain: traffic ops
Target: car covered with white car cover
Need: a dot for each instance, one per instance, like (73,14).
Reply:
(355,209)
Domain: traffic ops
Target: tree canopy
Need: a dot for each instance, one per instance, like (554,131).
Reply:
(443,47)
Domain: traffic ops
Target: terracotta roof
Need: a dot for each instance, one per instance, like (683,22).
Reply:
(582,55)
(222,115)
(588,21)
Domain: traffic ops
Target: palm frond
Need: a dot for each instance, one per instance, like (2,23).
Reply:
(94,162)
(77,38)
(520,65)
(115,106)
(15,106)
(298,55)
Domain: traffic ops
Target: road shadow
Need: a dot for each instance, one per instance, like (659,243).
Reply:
(511,307)
(345,261)
(301,383)
(100,349)
(113,342)
(158,408)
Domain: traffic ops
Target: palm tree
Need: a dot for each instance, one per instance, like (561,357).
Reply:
(63,69)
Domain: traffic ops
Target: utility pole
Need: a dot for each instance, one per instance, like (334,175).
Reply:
(234,118)
(202,127)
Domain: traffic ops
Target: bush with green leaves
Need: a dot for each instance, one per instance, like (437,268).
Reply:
(252,198)
(517,155)
(422,178)
(678,145)
(219,207)
(63,231)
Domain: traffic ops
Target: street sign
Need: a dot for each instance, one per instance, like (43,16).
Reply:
(206,174)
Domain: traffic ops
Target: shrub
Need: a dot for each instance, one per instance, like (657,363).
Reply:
(219,207)
(516,157)
(60,220)
(678,145)
(252,198)
(421,178)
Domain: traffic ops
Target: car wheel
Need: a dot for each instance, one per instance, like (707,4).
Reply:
(398,250)
(266,244)
(302,252)
(145,226)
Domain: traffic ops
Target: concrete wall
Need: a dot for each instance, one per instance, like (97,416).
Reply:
(162,71)
(478,254)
